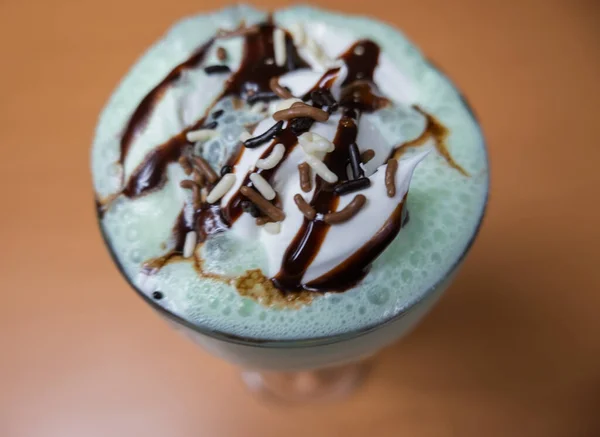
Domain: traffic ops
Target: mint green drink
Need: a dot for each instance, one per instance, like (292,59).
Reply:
(275,183)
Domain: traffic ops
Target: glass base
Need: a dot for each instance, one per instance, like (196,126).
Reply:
(327,384)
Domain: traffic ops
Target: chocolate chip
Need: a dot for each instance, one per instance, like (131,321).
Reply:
(157,295)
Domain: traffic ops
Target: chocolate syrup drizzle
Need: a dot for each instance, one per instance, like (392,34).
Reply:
(359,91)
(142,113)
(252,78)
(307,242)
(251,81)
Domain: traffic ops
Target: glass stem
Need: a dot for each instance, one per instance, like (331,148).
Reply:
(325,384)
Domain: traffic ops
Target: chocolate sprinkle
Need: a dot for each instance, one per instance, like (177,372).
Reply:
(301,124)
(185,163)
(390,177)
(216,69)
(281,91)
(187,184)
(357,171)
(260,221)
(352,186)
(263,138)
(301,110)
(263,96)
(206,169)
(304,207)
(157,295)
(263,204)
(367,155)
(226,169)
(217,114)
(221,53)
(198,177)
(347,212)
(211,125)
(305,180)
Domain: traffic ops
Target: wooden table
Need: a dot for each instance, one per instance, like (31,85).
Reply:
(513,349)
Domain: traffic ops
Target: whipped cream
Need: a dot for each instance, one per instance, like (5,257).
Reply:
(344,239)
(154,145)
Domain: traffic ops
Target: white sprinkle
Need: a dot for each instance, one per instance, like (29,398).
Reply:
(272,227)
(263,187)
(286,104)
(222,187)
(315,145)
(269,61)
(279,46)
(359,50)
(258,107)
(321,169)
(190,244)
(245,136)
(273,159)
(298,33)
(200,135)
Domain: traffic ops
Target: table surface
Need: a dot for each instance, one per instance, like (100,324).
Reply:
(513,348)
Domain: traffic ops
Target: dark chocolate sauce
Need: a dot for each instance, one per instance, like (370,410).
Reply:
(181,228)
(252,77)
(353,269)
(208,221)
(142,113)
(258,66)
(151,174)
(324,83)
(359,90)
(361,65)
(362,96)
(307,242)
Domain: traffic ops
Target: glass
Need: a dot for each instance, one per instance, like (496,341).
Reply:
(323,368)
(326,368)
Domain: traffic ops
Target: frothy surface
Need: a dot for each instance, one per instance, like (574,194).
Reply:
(444,206)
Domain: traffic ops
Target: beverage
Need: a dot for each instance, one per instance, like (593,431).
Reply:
(196,171)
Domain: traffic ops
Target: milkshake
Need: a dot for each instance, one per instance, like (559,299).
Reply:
(271,182)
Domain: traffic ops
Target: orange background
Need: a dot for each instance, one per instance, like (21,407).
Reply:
(513,349)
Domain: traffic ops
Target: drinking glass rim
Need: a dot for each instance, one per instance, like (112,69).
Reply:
(328,339)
